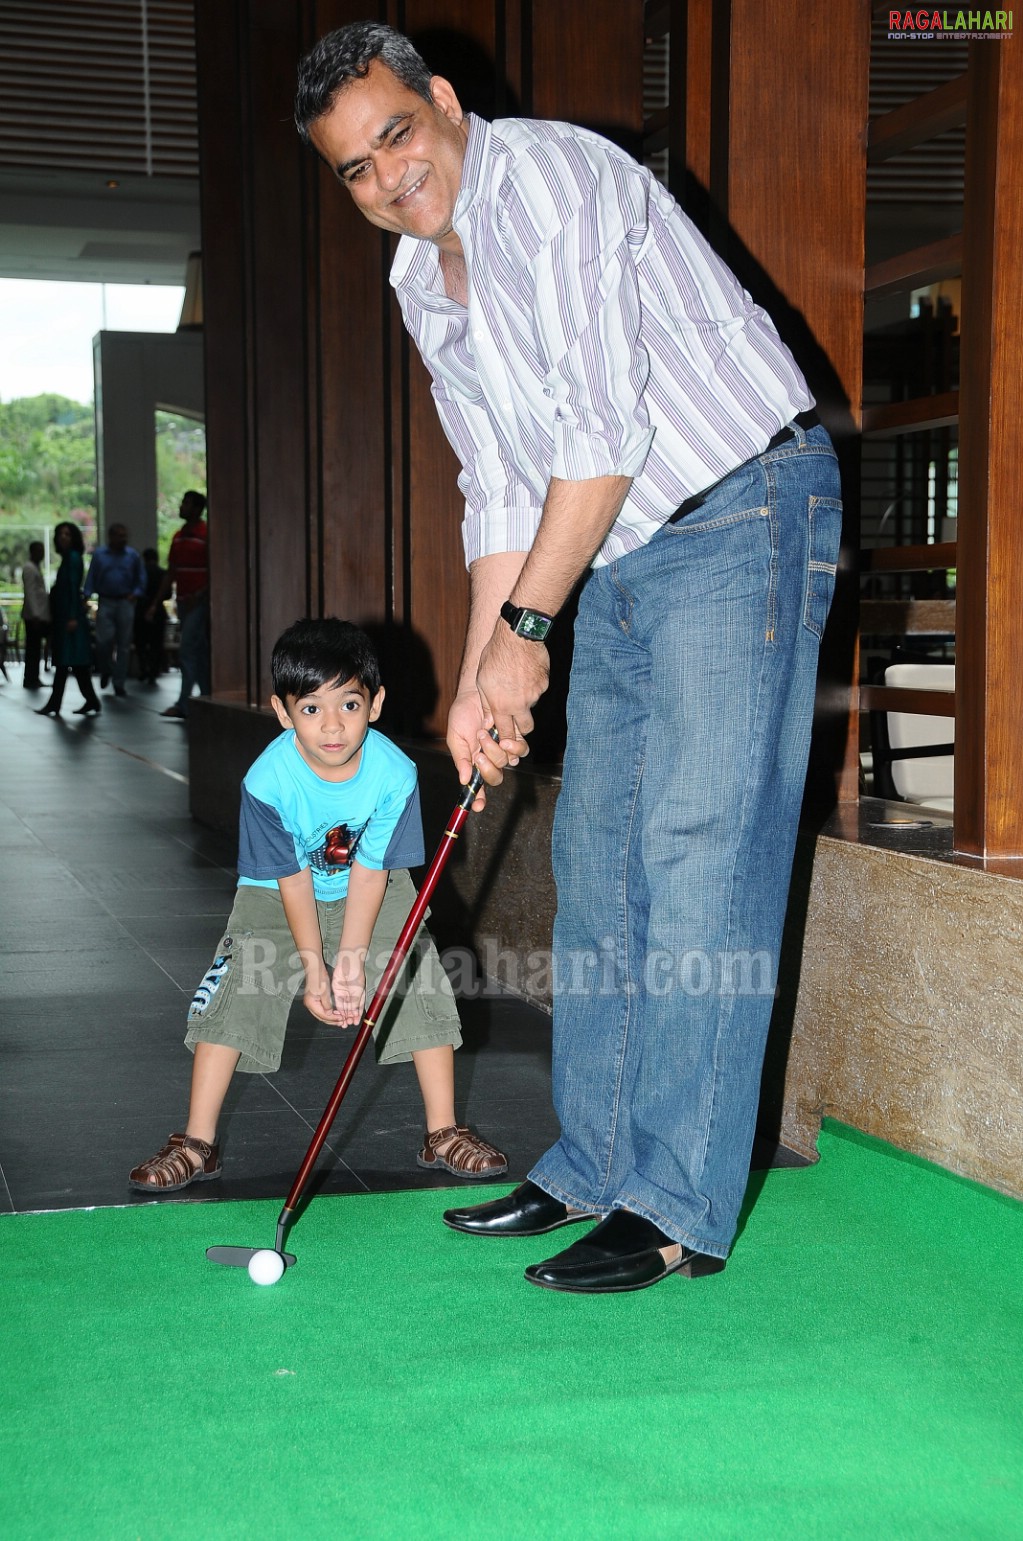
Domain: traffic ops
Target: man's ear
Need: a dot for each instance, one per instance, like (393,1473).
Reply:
(443,93)
(376,704)
(283,716)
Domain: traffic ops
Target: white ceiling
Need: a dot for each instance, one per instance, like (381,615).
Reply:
(98,140)
(73,226)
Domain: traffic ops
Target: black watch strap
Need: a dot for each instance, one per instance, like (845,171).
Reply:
(531,624)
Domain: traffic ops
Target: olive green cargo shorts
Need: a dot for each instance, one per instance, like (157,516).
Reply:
(246,994)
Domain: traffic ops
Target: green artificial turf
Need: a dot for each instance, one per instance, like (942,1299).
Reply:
(856,1371)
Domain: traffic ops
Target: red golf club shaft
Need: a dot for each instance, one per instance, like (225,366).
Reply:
(380,998)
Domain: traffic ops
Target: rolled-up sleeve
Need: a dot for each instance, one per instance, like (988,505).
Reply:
(502,513)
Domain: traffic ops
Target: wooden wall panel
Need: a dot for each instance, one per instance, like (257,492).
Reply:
(796,174)
(696,26)
(351,318)
(587,65)
(279,367)
(458,39)
(254,269)
(797,114)
(989,631)
(220,92)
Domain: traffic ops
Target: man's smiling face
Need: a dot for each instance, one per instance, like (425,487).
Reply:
(399,155)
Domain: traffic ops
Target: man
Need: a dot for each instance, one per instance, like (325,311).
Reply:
(117,576)
(622,410)
(188,576)
(35,614)
(151,620)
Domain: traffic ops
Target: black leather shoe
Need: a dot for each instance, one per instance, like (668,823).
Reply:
(621,1253)
(528,1211)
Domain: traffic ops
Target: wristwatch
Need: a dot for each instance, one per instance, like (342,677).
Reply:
(531,624)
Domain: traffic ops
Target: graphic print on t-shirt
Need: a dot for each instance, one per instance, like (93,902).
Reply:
(338,849)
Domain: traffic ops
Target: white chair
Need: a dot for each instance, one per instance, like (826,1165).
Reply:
(922,778)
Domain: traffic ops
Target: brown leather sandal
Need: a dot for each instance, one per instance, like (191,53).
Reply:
(463,1152)
(171,1168)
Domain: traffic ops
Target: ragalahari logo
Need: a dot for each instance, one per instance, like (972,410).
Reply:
(927,26)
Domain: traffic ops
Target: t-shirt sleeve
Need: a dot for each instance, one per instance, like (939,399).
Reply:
(394,836)
(266,847)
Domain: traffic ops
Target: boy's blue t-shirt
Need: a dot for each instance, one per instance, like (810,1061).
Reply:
(292,819)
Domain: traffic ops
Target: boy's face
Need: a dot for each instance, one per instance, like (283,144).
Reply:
(330,726)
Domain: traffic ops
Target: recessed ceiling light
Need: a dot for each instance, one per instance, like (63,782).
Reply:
(112,183)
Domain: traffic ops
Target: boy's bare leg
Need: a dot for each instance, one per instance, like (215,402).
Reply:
(178,1164)
(212,1069)
(460,1150)
(435,1071)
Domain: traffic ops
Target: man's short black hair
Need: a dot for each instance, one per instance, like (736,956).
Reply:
(346,55)
(325,652)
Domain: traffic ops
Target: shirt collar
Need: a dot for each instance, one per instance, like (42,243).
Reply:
(416,262)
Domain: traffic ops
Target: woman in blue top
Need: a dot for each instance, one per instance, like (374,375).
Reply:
(72,647)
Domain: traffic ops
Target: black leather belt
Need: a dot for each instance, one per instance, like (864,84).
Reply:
(804,420)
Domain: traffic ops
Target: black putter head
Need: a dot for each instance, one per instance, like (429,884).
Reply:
(240,1257)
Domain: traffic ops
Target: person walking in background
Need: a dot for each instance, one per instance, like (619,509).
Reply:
(71,644)
(151,620)
(188,575)
(35,613)
(117,576)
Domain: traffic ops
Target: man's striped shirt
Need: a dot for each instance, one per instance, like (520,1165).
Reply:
(603,337)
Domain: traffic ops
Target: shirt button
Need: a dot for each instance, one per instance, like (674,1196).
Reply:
(478,335)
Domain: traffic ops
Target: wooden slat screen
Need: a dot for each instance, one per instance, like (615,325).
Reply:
(105,86)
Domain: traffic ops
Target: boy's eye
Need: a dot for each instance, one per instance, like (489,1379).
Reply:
(352,706)
(309,711)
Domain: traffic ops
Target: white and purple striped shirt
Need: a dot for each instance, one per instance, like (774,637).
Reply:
(603,337)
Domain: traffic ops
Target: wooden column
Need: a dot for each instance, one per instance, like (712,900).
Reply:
(797,111)
(254,246)
(989,576)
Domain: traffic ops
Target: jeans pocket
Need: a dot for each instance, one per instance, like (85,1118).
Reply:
(825,538)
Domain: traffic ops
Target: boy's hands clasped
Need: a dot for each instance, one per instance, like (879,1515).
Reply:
(336,997)
(349,985)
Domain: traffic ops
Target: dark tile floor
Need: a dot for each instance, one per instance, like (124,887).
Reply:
(112,902)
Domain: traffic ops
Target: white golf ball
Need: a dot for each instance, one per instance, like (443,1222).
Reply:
(265,1267)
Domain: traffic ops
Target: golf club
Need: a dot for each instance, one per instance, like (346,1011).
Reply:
(242,1257)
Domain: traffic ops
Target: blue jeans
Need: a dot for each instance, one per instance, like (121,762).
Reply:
(689,719)
(194,652)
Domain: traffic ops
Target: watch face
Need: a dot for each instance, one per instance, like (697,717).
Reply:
(533,625)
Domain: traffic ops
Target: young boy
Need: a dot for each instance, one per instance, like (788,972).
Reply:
(330,821)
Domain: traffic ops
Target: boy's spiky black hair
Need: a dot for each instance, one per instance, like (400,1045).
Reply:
(324,652)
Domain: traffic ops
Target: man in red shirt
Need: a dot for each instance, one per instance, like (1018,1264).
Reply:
(188,575)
